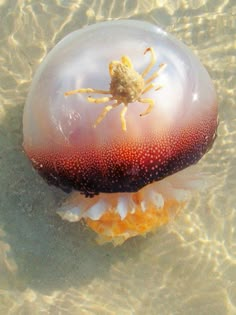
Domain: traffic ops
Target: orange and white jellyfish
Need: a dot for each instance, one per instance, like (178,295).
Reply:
(116,113)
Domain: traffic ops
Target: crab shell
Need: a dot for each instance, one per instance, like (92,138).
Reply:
(124,171)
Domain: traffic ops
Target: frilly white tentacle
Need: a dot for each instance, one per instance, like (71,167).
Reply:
(177,187)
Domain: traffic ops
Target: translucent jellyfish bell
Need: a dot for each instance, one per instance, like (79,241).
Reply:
(116,113)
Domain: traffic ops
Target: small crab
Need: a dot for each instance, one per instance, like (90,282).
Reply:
(126,86)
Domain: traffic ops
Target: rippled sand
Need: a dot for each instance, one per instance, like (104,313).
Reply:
(48,266)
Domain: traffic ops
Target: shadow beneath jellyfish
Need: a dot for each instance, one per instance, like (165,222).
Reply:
(50,254)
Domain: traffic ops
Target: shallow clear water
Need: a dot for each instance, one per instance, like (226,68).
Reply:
(48,266)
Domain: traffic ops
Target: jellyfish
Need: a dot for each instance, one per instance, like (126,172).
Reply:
(116,116)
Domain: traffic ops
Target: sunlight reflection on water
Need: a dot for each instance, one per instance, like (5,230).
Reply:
(52,267)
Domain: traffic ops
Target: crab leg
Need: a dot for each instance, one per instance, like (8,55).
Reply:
(151,86)
(104,113)
(86,91)
(152,62)
(99,100)
(156,74)
(122,117)
(148,101)
(158,87)
(147,88)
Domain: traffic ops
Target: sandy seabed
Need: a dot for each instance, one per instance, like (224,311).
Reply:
(48,266)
